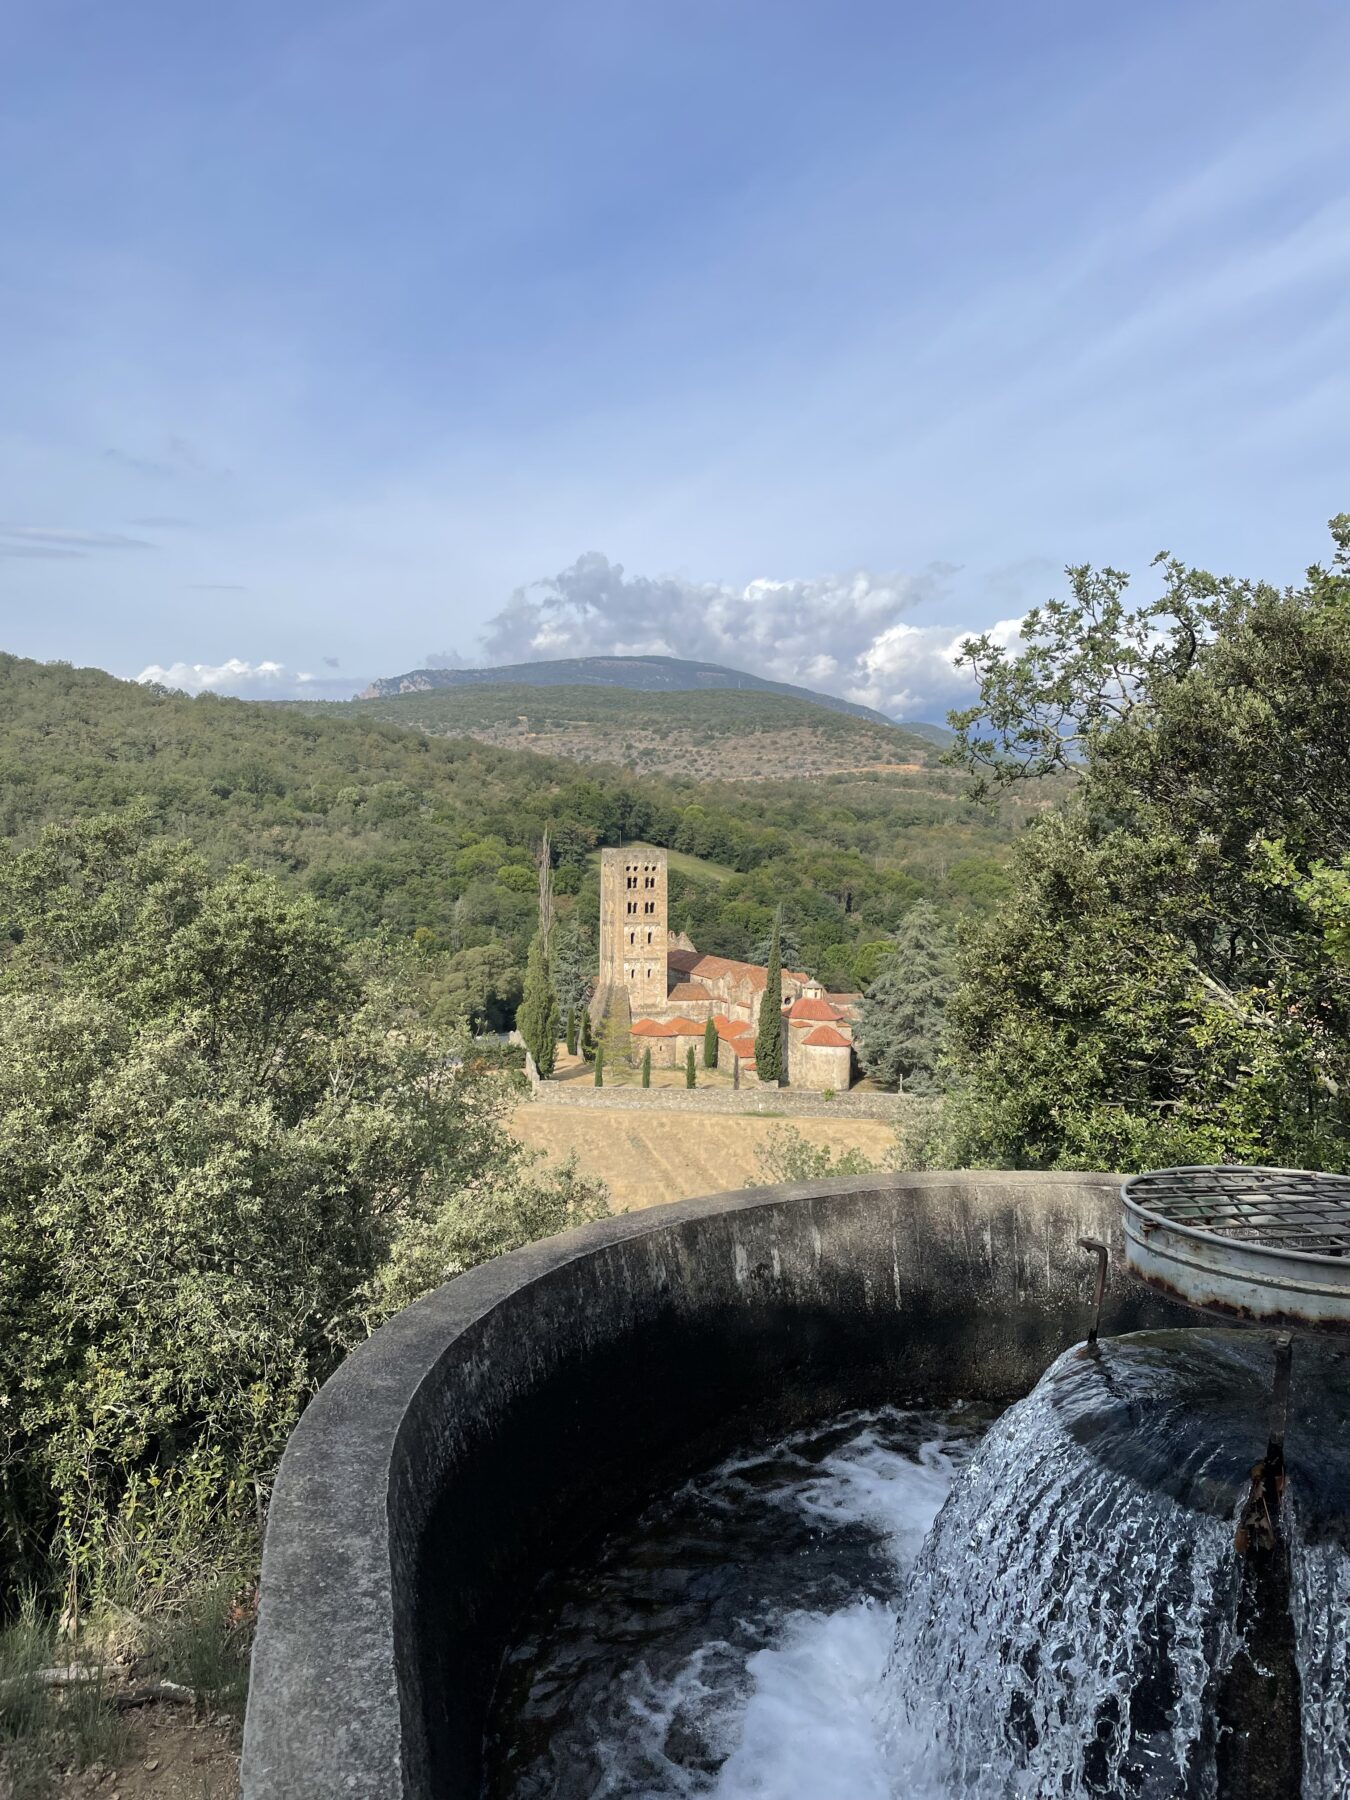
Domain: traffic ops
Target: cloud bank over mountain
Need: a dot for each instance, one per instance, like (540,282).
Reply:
(247,680)
(840,634)
(846,634)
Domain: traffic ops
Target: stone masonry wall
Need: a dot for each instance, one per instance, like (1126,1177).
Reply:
(752,1097)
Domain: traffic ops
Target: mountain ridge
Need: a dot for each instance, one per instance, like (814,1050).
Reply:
(642,674)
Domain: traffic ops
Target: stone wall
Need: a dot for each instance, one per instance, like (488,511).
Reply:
(753,1095)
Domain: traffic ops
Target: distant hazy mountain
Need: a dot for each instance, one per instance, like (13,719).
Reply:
(941,735)
(649,674)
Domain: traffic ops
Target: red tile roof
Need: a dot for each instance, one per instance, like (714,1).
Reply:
(725,968)
(689,990)
(827,1037)
(731,1028)
(652,1028)
(819,1010)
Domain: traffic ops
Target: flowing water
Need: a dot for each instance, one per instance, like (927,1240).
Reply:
(735,1640)
(880,1610)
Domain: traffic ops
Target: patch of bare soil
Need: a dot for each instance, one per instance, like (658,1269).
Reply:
(171,1755)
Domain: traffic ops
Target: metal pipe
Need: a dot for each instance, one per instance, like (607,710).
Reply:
(1100,1251)
(1279,1400)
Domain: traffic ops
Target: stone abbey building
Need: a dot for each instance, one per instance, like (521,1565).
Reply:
(670,991)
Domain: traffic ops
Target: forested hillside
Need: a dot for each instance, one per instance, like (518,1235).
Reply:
(710,736)
(433,838)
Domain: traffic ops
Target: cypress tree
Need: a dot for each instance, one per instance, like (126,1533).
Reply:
(600,1066)
(690,1074)
(710,1045)
(571,1031)
(769,1036)
(537,1015)
(586,1041)
(647,1067)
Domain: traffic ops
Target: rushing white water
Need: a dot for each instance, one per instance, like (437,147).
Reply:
(1320,1600)
(736,1643)
(813,1726)
(1061,1628)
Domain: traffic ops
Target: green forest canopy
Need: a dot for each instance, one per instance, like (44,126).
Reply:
(432,838)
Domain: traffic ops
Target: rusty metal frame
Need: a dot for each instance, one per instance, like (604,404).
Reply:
(1226,1239)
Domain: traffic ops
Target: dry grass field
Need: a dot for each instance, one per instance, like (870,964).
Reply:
(649,1157)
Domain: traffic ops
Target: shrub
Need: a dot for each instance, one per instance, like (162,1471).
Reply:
(217,1126)
(787,1156)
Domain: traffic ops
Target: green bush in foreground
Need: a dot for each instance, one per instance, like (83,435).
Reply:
(227,1148)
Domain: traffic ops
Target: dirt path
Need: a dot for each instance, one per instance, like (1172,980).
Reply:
(170,1755)
(649,1157)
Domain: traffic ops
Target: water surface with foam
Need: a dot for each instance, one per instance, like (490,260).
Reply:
(734,1640)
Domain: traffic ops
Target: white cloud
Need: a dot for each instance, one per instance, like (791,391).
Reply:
(249,680)
(910,670)
(841,633)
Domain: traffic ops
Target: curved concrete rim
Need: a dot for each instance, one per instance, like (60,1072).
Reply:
(334,1683)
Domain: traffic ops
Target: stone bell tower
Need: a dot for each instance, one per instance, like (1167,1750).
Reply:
(633,926)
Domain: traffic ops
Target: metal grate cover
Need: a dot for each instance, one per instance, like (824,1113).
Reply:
(1271,1246)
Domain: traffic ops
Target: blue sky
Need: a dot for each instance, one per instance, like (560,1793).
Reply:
(325,330)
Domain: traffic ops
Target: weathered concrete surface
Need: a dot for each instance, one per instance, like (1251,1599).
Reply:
(486,1431)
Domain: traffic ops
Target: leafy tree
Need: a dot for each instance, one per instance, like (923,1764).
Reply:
(494,1211)
(871,958)
(1166,981)
(769,1036)
(899,1026)
(710,1045)
(481,985)
(690,1073)
(217,1124)
(647,1067)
